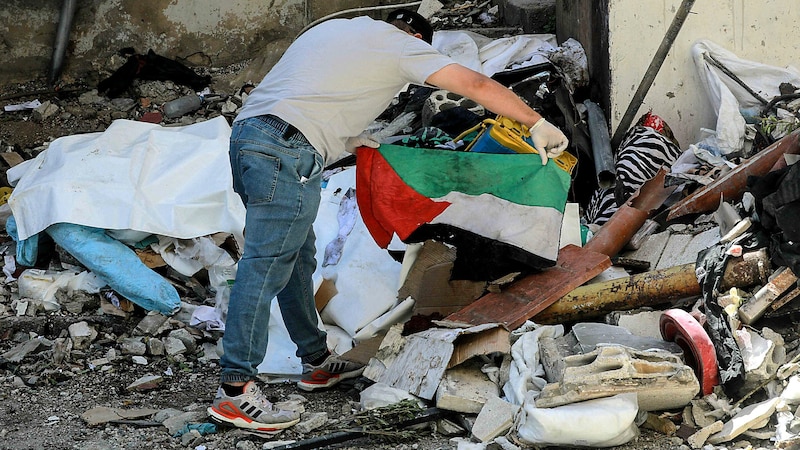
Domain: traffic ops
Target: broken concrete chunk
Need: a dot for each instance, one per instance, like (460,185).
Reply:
(177,422)
(153,323)
(660,379)
(208,353)
(683,248)
(174,346)
(311,422)
(103,414)
(82,335)
(19,352)
(495,418)
(698,439)
(133,346)
(191,438)
(145,383)
(465,389)
(156,348)
(184,336)
(585,337)
(62,348)
(746,419)
(762,354)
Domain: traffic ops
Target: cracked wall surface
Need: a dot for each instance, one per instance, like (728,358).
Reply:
(207,32)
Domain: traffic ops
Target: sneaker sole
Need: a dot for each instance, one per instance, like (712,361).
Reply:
(241,422)
(312,386)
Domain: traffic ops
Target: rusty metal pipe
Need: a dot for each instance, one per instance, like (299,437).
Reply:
(650,289)
(645,289)
(747,270)
(68,8)
(630,217)
(731,186)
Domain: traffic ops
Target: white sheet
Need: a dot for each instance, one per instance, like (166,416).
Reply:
(490,56)
(728,97)
(171,181)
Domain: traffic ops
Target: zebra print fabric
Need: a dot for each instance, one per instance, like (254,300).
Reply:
(642,153)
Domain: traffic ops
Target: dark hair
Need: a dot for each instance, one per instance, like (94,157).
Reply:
(414,20)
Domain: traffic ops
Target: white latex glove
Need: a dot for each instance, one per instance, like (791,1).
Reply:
(362,140)
(548,140)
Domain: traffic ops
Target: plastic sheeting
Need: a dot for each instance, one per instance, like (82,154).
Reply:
(175,182)
(604,422)
(490,56)
(729,98)
(171,181)
(117,265)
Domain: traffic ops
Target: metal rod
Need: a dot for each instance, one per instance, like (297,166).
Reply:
(716,63)
(62,38)
(428,415)
(652,71)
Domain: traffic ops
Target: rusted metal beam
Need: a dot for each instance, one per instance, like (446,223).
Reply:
(731,186)
(621,227)
(527,297)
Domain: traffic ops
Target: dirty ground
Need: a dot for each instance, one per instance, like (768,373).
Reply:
(42,403)
(46,397)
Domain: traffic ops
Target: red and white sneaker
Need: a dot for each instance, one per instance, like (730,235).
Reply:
(251,410)
(330,372)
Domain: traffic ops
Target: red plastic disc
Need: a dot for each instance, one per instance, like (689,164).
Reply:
(680,327)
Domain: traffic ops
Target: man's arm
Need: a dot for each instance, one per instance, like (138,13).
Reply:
(500,100)
(489,93)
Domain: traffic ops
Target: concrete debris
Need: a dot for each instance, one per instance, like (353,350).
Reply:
(661,380)
(465,389)
(489,359)
(146,383)
(495,418)
(82,335)
(102,414)
(698,439)
(752,417)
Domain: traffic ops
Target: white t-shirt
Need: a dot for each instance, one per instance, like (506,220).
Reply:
(337,77)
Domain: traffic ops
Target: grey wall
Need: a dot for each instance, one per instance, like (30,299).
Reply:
(211,33)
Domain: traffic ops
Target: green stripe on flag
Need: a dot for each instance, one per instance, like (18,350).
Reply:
(518,178)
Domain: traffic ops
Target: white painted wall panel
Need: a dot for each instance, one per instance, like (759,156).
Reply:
(759,30)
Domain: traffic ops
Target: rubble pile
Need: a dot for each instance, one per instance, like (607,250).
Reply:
(673,316)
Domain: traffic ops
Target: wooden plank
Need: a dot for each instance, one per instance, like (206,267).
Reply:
(525,298)
(11,158)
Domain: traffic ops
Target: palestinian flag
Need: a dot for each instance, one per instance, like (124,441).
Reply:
(502,212)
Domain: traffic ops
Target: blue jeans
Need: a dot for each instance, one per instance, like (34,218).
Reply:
(278,176)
